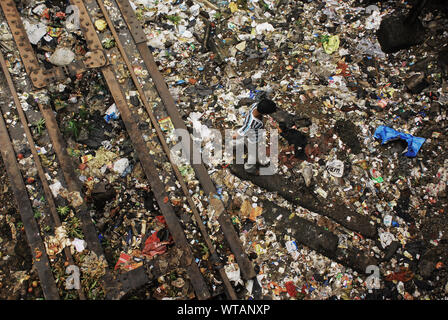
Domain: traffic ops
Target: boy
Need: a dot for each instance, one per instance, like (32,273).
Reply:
(251,125)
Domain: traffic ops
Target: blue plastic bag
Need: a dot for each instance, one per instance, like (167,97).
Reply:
(387,134)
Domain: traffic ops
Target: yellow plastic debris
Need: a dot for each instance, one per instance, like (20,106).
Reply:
(332,44)
(100,24)
(233,7)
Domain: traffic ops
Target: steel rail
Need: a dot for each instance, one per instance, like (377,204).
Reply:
(246,266)
(54,133)
(146,160)
(39,167)
(38,251)
(229,288)
(41,77)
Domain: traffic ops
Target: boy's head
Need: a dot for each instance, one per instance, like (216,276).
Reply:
(266,106)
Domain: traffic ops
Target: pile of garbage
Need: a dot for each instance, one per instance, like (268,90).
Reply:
(362,130)
(131,228)
(375,141)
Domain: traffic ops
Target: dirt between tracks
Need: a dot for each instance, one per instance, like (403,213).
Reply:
(17,274)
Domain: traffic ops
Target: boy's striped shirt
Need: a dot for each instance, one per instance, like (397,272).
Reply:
(251,125)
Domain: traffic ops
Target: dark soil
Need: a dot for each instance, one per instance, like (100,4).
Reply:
(348,133)
(15,255)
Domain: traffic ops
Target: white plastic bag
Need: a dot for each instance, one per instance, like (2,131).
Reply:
(62,57)
(121,165)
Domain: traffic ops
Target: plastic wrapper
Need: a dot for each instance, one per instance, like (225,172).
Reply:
(387,134)
(332,45)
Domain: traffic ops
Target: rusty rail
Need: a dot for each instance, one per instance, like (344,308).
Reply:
(40,76)
(208,186)
(31,65)
(96,59)
(38,251)
(40,170)
(229,289)
(146,160)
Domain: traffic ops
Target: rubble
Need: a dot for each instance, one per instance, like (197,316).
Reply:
(341,200)
(370,89)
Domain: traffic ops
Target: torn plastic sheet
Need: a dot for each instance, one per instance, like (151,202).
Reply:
(264,28)
(374,21)
(55,188)
(35,31)
(335,168)
(79,244)
(154,246)
(291,288)
(387,134)
(233,272)
(121,165)
(62,57)
(369,48)
(386,239)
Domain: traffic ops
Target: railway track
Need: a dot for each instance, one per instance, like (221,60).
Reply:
(157,179)
(129,73)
